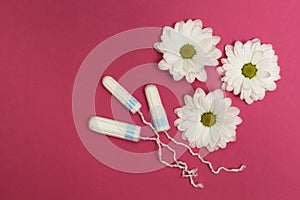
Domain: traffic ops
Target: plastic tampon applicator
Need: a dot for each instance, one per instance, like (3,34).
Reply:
(121,94)
(157,110)
(115,128)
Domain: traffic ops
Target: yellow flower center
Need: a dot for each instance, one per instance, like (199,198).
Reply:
(249,70)
(208,119)
(187,51)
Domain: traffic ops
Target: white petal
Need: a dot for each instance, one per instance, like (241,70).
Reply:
(247,51)
(220,70)
(195,65)
(177,122)
(184,125)
(192,133)
(228,131)
(170,58)
(178,26)
(163,65)
(268,84)
(206,136)
(199,135)
(255,86)
(246,84)
(188,67)
(229,88)
(201,76)
(178,38)
(222,144)
(248,99)
(177,76)
(239,52)
(219,94)
(178,111)
(156,46)
(195,117)
(214,135)
(237,85)
(190,77)
(204,104)
(263,73)
(229,51)
(200,91)
(196,102)
(188,100)
(257,56)
(227,102)
(202,57)
(238,120)
(233,111)
(218,107)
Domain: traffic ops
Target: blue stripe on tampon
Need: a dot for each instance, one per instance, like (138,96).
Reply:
(161,122)
(129,132)
(131,103)
(165,122)
(156,124)
(128,105)
(133,100)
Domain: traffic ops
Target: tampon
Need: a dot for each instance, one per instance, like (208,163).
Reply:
(156,108)
(115,128)
(121,94)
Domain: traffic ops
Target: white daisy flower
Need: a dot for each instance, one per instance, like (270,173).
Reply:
(250,70)
(208,120)
(186,49)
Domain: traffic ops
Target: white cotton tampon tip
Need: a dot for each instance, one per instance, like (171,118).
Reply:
(157,110)
(121,94)
(115,128)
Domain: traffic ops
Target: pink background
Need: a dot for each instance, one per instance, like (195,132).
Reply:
(43,43)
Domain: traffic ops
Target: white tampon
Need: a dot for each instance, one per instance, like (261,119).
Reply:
(121,94)
(115,128)
(157,110)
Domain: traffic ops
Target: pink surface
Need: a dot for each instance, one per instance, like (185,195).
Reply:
(42,45)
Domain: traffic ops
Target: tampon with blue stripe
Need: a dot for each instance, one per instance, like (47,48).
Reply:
(115,128)
(121,94)
(157,111)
